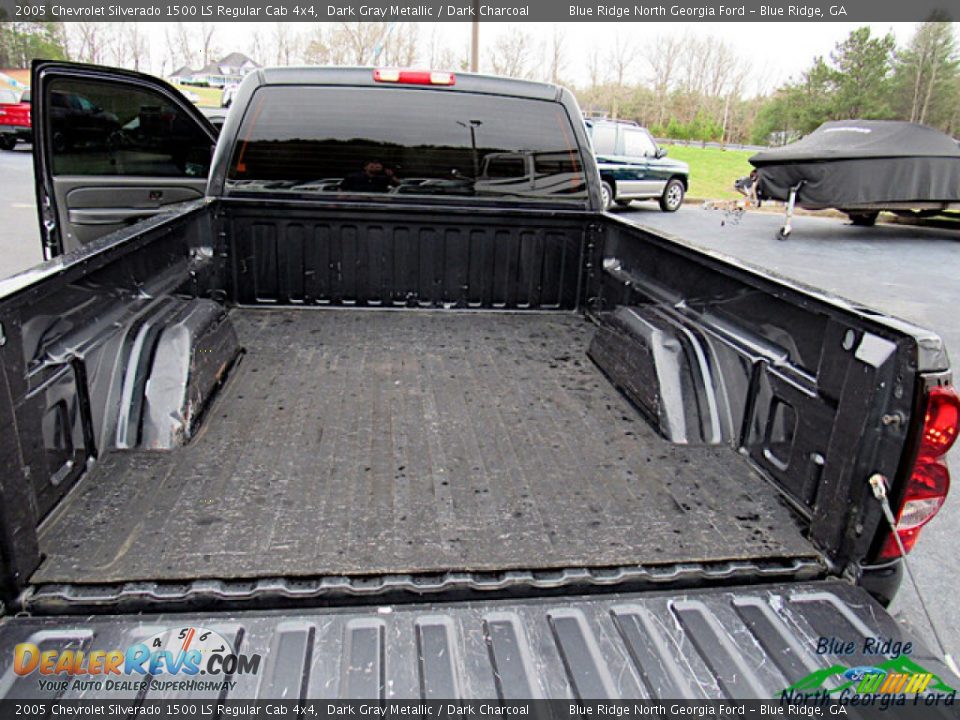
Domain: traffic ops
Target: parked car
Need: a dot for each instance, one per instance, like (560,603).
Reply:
(14,119)
(79,121)
(632,166)
(434,445)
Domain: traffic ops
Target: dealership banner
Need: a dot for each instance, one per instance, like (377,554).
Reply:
(481,10)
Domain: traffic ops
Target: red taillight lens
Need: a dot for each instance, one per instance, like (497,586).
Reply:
(414,77)
(930,480)
(941,421)
(926,493)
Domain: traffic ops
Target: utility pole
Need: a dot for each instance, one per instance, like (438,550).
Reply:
(475,38)
(472,126)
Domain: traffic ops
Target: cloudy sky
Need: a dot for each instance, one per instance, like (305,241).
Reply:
(777,50)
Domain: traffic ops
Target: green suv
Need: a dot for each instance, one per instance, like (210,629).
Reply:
(633,167)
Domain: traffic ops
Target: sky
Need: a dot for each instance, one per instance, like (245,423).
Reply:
(779,50)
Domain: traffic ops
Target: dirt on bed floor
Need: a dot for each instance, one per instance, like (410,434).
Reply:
(372,442)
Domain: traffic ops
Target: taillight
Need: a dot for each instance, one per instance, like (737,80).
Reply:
(414,77)
(930,479)
(941,420)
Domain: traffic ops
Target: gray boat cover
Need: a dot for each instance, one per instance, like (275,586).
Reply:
(857,163)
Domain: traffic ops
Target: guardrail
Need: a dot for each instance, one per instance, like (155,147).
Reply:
(711,143)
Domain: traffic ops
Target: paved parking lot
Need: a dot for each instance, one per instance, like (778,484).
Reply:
(905,271)
(19,238)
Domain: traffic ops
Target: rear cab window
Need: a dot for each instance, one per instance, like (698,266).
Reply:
(401,145)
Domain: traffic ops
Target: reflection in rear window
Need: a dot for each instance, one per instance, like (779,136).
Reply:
(335,142)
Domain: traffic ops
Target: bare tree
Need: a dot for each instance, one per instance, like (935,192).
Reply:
(555,54)
(398,46)
(286,43)
(662,57)
(207,47)
(89,41)
(595,67)
(510,54)
(711,75)
(256,47)
(316,49)
(130,46)
(621,56)
(439,55)
(180,46)
(346,43)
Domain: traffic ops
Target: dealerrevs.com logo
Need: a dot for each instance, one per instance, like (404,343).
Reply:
(182,653)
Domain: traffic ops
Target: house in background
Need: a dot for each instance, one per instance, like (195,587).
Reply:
(181,76)
(230,69)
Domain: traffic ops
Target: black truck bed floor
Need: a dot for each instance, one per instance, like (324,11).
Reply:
(370,442)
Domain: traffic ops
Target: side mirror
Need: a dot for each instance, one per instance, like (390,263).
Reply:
(661,153)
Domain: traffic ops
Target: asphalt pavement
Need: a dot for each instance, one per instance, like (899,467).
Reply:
(909,272)
(19,236)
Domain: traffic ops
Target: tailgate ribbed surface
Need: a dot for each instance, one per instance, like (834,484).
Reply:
(733,642)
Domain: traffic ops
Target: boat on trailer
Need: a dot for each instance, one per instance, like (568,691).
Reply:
(863,167)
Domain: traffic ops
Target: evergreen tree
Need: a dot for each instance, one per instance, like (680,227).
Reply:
(21,42)
(926,72)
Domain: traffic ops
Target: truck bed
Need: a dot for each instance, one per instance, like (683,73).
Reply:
(376,442)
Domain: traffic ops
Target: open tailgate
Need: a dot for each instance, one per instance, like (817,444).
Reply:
(730,642)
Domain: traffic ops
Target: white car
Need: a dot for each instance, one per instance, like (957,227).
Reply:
(229,93)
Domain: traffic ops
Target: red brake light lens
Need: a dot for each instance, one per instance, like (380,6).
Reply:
(930,480)
(414,77)
(941,422)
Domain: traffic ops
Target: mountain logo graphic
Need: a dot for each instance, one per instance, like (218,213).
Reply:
(897,675)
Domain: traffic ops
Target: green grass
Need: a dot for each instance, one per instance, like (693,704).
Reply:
(209,97)
(712,170)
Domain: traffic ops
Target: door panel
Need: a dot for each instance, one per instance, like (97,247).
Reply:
(95,211)
(113,147)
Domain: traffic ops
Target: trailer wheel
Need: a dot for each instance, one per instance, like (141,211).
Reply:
(864,219)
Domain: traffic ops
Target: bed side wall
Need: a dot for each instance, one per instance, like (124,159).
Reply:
(79,346)
(816,392)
